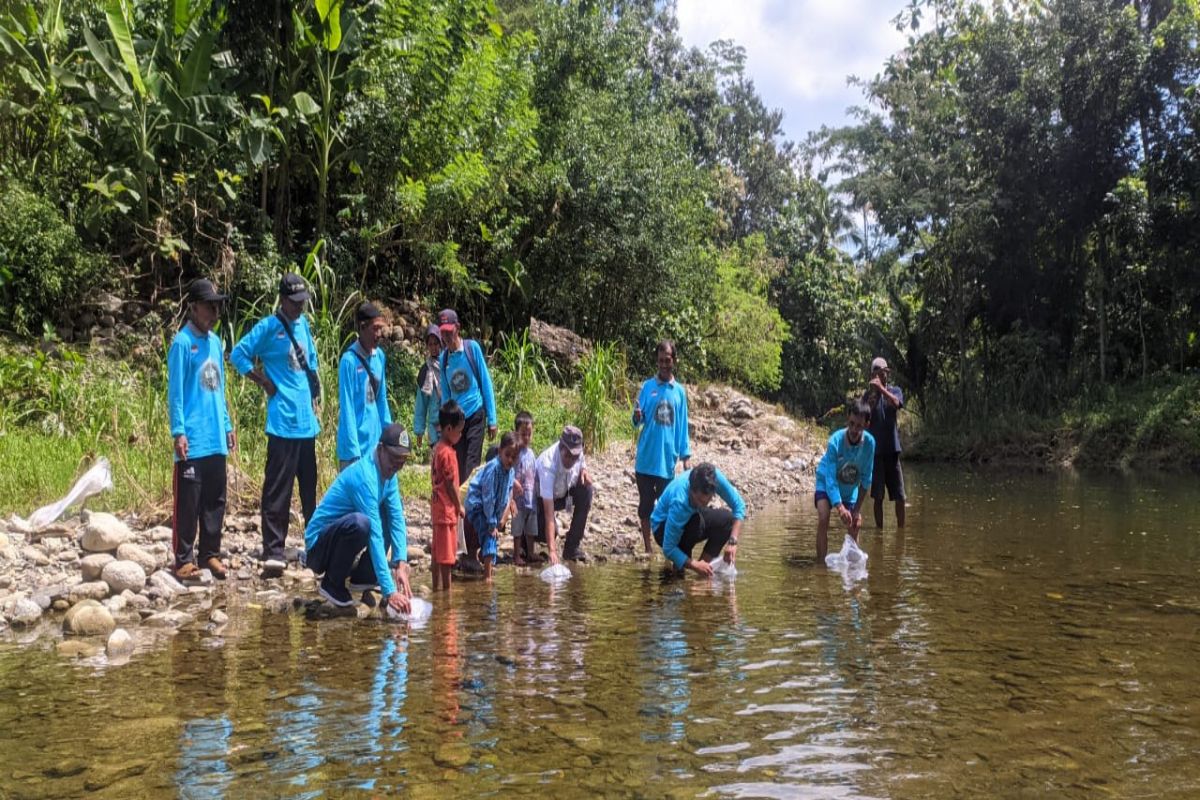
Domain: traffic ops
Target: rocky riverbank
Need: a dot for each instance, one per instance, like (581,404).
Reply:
(104,582)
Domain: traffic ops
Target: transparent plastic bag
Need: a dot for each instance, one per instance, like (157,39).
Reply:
(555,573)
(723,569)
(95,480)
(851,562)
(418,614)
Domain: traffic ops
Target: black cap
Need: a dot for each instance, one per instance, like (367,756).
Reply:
(395,438)
(293,287)
(202,290)
(366,311)
(447,318)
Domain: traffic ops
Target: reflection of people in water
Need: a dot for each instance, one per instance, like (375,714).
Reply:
(205,740)
(447,667)
(389,689)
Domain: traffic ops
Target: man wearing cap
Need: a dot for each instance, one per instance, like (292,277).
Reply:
(562,476)
(429,389)
(466,380)
(284,345)
(362,515)
(885,401)
(362,389)
(202,431)
(682,519)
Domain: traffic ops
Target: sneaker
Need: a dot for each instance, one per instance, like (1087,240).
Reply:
(274,567)
(335,595)
(217,569)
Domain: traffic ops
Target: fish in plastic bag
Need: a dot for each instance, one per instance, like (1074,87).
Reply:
(95,480)
(418,614)
(851,562)
(723,569)
(555,573)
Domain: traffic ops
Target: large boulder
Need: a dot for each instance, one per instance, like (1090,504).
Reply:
(132,552)
(565,347)
(104,533)
(93,564)
(88,618)
(122,575)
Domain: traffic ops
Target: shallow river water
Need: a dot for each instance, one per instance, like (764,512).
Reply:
(1028,635)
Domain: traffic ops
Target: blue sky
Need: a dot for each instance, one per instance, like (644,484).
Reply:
(800,52)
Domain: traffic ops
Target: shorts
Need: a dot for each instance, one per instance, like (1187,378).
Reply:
(820,495)
(445,543)
(888,474)
(650,488)
(524,523)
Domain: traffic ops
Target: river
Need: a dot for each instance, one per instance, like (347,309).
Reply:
(1028,635)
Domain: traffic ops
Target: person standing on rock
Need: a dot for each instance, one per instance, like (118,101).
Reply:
(561,476)
(886,401)
(682,519)
(844,476)
(662,415)
(202,431)
(284,345)
(362,389)
(465,379)
(429,389)
(346,540)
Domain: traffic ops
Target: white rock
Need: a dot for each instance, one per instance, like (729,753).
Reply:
(35,556)
(116,604)
(218,617)
(171,618)
(131,552)
(67,557)
(25,612)
(89,590)
(120,643)
(139,601)
(165,584)
(88,618)
(122,575)
(104,533)
(159,534)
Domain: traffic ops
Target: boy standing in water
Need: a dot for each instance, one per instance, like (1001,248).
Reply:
(446,508)
(524,525)
(487,500)
(886,401)
(844,476)
(662,414)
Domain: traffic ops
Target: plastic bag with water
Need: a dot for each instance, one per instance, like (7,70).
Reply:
(95,480)
(851,562)
(723,569)
(419,612)
(555,573)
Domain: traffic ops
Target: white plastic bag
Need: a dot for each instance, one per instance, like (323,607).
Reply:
(95,480)
(555,573)
(723,569)
(851,562)
(418,613)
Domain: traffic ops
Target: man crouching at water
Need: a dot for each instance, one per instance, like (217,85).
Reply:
(349,522)
(682,519)
(844,476)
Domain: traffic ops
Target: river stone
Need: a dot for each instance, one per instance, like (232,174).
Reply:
(122,575)
(93,590)
(25,612)
(131,552)
(218,617)
(73,648)
(120,643)
(171,618)
(116,604)
(160,533)
(165,584)
(35,555)
(88,618)
(104,533)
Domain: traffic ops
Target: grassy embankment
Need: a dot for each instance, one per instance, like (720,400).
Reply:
(1155,424)
(60,411)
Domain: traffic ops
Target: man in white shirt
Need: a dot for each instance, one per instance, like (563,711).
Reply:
(562,474)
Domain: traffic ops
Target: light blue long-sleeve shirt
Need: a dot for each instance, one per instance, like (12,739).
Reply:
(362,414)
(359,489)
(459,384)
(489,492)
(674,508)
(290,413)
(845,467)
(196,392)
(664,437)
(426,408)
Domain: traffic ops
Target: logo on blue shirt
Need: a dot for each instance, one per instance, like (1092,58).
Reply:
(209,376)
(664,413)
(459,381)
(848,473)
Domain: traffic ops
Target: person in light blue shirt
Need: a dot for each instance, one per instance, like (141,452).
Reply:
(284,345)
(429,389)
(466,380)
(202,432)
(488,496)
(362,514)
(662,414)
(682,519)
(362,389)
(844,476)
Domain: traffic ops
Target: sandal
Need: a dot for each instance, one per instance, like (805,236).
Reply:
(217,569)
(187,572)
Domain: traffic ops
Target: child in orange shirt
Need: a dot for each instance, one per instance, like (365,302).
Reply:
(446,509)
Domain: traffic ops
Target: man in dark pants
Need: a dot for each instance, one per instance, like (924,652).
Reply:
(284,345)
(562,474)
(466,380)
(358,533)
(682,519)
(885,401)
(202,431)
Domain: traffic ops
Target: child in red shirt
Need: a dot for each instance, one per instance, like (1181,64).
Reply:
(446,509)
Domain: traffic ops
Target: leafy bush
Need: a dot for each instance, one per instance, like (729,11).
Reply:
(44,269)
(748,332)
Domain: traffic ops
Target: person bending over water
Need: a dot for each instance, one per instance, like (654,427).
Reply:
(682,519)
(844,476)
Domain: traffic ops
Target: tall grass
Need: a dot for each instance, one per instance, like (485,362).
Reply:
(602,385)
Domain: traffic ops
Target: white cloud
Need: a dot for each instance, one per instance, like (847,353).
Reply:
(800,52)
